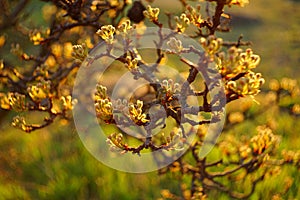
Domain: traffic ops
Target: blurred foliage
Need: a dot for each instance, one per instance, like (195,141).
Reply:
(52,163)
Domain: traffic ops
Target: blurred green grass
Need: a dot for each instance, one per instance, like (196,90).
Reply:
(53,164)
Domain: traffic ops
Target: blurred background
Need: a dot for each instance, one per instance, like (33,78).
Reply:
(52,163)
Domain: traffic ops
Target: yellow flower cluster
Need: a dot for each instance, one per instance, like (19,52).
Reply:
(263,141)
(193,14)
(125,28)
(104,110)
(151,13)
(136,113)
(80,52)
(182,22)
(37,36)
(39,91)
(13,101)
(103,105)
(107,33)
(101,92)
(247,85)
(211,45)
(241,3)
(67,102)
(249,60)
(131,64)
(175,45)
(115,141)
(236,62)
(19,122)
(168,89)
(291,157)
(244,151)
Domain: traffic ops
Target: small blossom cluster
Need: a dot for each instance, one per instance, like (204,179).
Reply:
(36,37)
(14,101)
(20,123)
(40,90)
(182,22)
(67,102)
(291,157)
(264,141)
(80,52)
(190,16)
(131,63)
(151,13)
(236,69)
(241,3)
(107,33)
(236,62)
(125,28)
(115,141)
(211,45)
(168,89)
(194,15)
(175,45)
(248,85)
(103,105)
(136,113)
